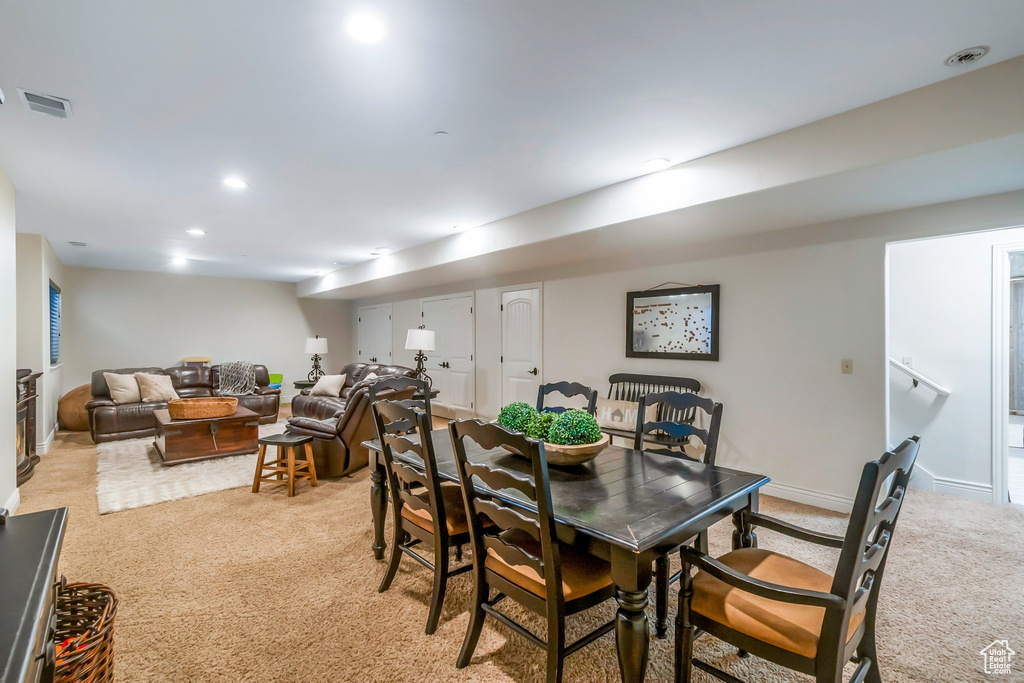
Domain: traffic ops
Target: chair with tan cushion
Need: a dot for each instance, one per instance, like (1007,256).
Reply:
(788,612)
(522,557)
(425,510)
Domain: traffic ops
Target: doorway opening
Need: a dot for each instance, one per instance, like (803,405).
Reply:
(955,360)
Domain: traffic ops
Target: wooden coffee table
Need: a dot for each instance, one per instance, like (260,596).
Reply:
(179,441)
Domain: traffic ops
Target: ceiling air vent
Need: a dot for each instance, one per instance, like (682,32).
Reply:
(968,56)
(47,104)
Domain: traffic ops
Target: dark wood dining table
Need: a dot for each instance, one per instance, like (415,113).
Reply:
(627,506)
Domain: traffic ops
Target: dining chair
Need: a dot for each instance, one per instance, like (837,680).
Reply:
(425,509)
(520,556)
(568,390)
(673,436)
(788,612)
(397,384)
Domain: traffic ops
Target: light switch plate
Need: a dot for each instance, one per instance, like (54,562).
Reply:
(847,366)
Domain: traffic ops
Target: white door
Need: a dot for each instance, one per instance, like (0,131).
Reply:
(435,316)
(521,368)
(461,343)
(451,365)
(374,334)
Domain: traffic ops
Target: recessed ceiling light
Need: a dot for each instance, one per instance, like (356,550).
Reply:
(365,27)
(380,251)
(235,183)
(657,164)
(78,244)
(196,231)
(968,56)
(440,133)
(179,261)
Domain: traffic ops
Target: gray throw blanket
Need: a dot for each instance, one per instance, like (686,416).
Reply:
(237,377)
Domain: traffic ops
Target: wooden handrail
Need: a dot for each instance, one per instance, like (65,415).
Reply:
(919,378)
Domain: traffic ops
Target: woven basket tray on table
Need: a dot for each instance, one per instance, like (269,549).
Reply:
(85,633)
(201,408)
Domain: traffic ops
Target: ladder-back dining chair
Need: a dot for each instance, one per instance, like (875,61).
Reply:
(785,611)
(672,437)
(568,390)
(520,556)
(425,509)
(396,384)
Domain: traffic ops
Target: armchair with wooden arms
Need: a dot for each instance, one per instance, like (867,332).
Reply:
(788,612)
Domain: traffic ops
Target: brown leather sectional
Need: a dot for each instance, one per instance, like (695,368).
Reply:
(340,425)
(109,421)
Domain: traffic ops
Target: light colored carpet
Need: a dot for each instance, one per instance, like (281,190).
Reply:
(236,586)
(129,474)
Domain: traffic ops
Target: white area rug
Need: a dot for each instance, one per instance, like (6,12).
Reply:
(129,474)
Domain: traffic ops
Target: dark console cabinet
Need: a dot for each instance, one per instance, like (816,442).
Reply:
(29,548)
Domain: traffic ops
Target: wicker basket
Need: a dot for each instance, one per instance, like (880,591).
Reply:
(202,408)
(85,633)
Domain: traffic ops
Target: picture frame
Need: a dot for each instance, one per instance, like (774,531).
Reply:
(681,323)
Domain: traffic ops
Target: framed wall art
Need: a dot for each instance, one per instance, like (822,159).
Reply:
(679,323)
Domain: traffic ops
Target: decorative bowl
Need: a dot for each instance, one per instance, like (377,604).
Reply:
(202,408)
(559,455)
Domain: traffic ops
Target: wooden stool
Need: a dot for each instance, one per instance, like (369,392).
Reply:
(285,463)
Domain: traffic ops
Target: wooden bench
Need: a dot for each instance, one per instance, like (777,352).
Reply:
(625,386)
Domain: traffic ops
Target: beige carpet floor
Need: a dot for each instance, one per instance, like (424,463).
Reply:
(236,586)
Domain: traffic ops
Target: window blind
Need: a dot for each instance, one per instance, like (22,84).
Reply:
(54,324)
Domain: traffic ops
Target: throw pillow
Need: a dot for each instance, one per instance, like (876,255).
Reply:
(122,388)
(328,385)
(613,414)
(155,388)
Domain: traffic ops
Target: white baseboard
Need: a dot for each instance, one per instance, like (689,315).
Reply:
(43,447)
(13,501)
(964,489)
(923,479)
(820,499)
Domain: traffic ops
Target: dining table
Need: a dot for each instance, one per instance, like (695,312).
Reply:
(627,506)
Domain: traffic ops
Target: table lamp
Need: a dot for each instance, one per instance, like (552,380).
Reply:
(420,340)
(318,347)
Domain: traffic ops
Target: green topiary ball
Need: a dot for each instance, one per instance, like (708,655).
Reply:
(574,427)
(540,424)
(515,416)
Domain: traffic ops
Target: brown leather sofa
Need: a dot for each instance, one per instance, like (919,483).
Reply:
(109,421)
(339,425)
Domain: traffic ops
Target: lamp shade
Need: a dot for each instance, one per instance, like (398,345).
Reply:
(419,340)
(316,345)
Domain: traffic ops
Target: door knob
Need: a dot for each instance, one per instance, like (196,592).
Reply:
(533,372)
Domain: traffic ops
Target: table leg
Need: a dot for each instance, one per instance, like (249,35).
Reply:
(743,535)
(631,575)
(378,504)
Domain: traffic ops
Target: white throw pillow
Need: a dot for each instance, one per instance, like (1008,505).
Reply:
(155,388)
(613,414)
(328,385)
(122,388)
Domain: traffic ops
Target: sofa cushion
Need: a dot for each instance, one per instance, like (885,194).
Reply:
(99,384)
(122,388)
(155,388)
(328,385)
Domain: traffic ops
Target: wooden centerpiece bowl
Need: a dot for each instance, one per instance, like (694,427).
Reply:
(580,454)
(201,408)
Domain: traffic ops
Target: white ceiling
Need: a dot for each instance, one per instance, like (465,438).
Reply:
(542,100)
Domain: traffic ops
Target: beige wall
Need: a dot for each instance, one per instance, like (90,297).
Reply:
(8,344)
(117,318)
(794,304)
(38,265)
